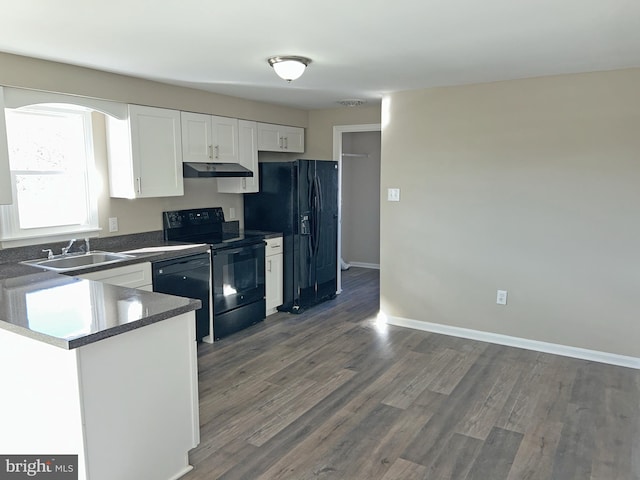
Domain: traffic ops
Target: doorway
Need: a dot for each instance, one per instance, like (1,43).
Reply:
(357,150)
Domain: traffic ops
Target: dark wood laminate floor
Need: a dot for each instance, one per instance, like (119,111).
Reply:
(329,394)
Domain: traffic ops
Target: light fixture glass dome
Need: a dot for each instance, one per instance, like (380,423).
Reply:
(290,67)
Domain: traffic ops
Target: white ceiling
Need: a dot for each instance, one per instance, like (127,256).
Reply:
(360,48)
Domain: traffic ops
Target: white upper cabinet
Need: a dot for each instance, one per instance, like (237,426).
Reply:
(196,137)
(145,153)
(225,139)
(207,138)
(247,157)
(280,138)
(5,177)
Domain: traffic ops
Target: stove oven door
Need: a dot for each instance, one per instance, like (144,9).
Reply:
(238,277)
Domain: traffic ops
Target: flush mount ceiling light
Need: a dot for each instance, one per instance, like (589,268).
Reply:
(289,67)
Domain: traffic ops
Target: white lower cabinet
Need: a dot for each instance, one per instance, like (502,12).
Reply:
(273,274)
(137,275)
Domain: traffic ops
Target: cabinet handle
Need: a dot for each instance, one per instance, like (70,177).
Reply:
(268,265)
(280,142)
(138,185)
(210,151)
(286,143)
(217,151)
(244,183)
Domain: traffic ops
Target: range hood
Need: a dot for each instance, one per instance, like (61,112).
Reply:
(200,170)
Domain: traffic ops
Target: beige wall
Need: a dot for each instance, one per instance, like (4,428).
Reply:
(531,186)
(142,215)
(319,134)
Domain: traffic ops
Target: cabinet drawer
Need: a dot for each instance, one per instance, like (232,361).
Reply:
(274,246)
(132,276)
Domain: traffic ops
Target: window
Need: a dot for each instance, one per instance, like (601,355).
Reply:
(52,169)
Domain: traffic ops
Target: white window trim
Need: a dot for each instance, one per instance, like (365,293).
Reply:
(20,97)
(10,233)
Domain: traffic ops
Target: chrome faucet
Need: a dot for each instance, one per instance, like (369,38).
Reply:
(49,253)
(66,249)
(87,248)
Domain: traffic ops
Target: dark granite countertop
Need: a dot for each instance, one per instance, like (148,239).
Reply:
(69,312)
(64,310)
(265,234)
(157,251)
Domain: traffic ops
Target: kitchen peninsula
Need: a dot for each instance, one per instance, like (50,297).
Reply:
(105,372)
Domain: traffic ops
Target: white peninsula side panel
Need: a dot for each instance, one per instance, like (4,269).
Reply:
(40,405)
(127,404)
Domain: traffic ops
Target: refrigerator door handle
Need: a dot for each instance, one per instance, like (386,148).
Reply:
(318,213)
(315,213)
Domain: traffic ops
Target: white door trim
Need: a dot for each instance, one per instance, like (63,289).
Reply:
(338,130)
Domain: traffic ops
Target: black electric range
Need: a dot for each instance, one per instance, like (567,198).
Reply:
(237,265)
(205,225)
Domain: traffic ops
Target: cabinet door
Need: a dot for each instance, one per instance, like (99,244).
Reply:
(269,138)
(5,177)
(273,282)
(293,139)
(224,139)
(247,157)
(156,149)
(273,274)
(280,138)
(196,137)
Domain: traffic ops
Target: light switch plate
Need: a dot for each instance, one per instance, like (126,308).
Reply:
(113,224)
(501,297)
(393,194)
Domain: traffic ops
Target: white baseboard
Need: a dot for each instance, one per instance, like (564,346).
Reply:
(374,266)
(564,350)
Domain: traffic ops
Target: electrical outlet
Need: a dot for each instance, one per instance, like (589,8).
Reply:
(232,213)
(113,224)
(501,298)
(393,194)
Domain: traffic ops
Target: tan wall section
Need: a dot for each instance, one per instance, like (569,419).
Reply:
(319,134)
(531,186)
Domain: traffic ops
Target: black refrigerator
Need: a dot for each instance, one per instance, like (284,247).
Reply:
(300,199)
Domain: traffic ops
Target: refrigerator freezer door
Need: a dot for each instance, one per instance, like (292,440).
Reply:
(326,258)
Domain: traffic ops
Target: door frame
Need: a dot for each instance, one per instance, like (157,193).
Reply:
(338,130)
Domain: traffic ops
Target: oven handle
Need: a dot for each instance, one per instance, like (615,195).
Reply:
(233,250)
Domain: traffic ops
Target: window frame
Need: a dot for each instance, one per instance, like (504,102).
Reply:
(11,235)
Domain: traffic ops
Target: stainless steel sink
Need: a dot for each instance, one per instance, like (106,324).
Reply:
(70,262)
